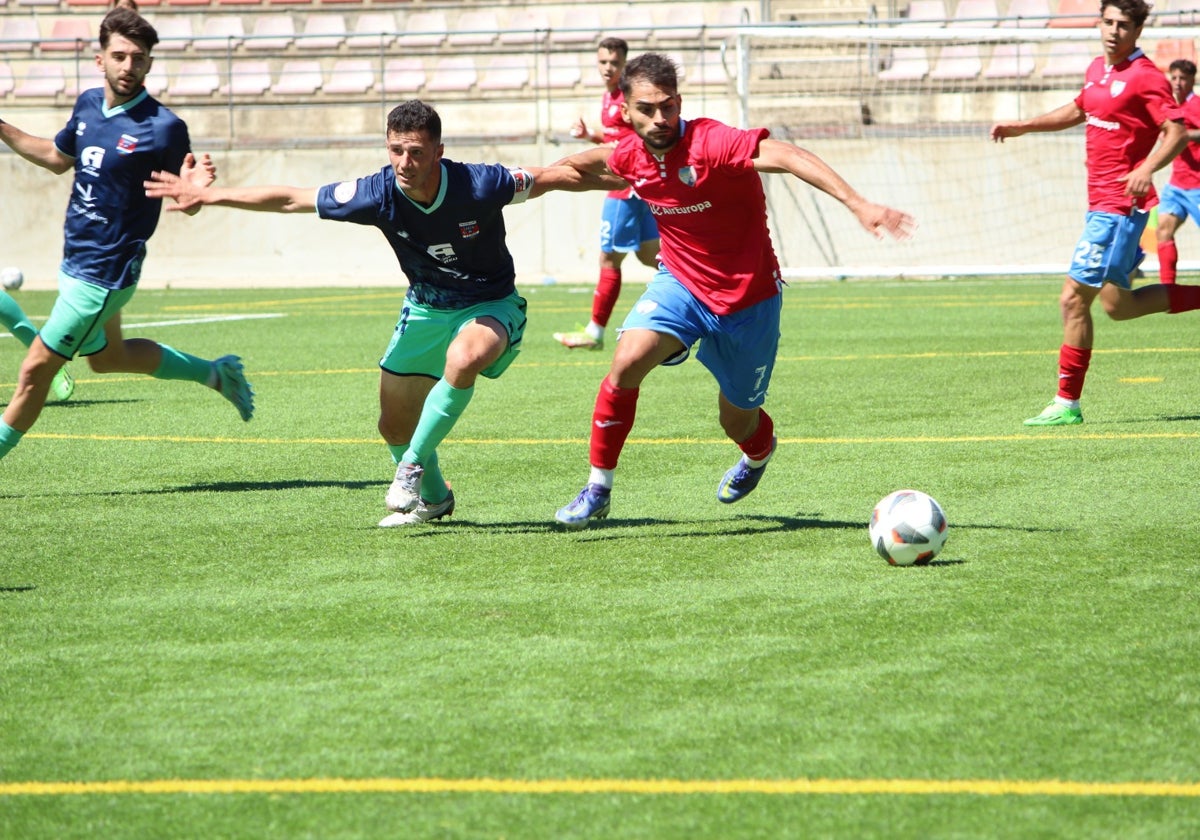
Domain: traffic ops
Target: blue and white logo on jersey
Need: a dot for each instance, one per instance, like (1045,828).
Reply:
(79,129)
(688,175)
(469,230)
(345,191)
(91,159)
(126,144)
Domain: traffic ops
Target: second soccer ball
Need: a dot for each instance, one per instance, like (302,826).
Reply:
(11,278)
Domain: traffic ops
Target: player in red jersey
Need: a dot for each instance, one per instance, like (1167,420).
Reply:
(718,284)
(626,225)
(1181,196)
(1133,129)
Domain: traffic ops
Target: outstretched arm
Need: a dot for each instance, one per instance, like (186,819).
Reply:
(1067,116)
(191,192)
(779,157)
(39,150)
(584,171)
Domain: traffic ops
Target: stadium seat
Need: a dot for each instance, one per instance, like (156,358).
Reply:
(403,76)
(908,64)
(195,77)
(1179,13)
(299,77)
(70,34)
(238,2)
(73,3)
(18,34)
(578,26)
(1171,49)
(272,32)
(423,29)
(220,33)
(45,78)
(728,19)
(931,12)
(186,2)
(175,33)
(80,78)
(633,23)
(474,28)
(1075,14)
(373,31)
(37,2)
(711,68)
(7,80)
(525,26)
(156,79)
(958,61)
(452,74)
(505,72)
(1011,61)
(1027,13)
(351,76)
(248,77)
(564,71)
(681,22)
(322,31)
(976,13)
(1069,58)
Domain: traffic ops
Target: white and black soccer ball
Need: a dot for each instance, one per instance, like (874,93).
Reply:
(11,278)
(908,528)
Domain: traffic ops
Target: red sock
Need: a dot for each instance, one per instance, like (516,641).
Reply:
(1072,368)
(604,299)
(612,421)
(1182,298)
(1168,256)
(758,445)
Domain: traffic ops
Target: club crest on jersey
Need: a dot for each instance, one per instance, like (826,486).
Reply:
(127,144)
(1116,88)
(468,230)
(688,175)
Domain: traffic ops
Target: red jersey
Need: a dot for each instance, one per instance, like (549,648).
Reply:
(1126,106)
(711,211)
(1185,169)
(614,128)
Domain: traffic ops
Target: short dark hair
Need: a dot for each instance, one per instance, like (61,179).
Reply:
(415,115)
(1136,10)
(654,68)
(616,45)
(1188,68)
(128,4)
(127,22)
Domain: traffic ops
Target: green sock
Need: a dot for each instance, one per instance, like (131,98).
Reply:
(443,407)
(9,437)
(13,317)
(179,365)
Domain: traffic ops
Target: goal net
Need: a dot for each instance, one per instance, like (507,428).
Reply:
(903,112)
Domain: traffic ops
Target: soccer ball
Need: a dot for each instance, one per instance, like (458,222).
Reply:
(11,278)
(908,528)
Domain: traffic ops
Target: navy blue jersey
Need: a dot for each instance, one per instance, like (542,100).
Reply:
(452,252)
(109,217)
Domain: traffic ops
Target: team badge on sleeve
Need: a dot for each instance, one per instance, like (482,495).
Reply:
(522,184)
(345,191)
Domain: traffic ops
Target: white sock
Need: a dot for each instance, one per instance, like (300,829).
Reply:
(1066,403)
(594,330)
(602,477)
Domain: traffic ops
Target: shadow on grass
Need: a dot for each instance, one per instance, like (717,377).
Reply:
(17,588)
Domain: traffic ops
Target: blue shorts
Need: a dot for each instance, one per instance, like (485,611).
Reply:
(738,349)
(76,323)
(625,224)
(423,334)
(1183,204)
(1108,251)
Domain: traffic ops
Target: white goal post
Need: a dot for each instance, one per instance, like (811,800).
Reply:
(903,112)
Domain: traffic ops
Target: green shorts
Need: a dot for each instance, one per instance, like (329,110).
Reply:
(423,334)
(76,323)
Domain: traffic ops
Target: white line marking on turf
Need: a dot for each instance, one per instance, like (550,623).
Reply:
(210,319)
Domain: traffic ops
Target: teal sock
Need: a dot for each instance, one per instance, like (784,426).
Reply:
(13,317)
(9,437)
(443,407)
(179,365)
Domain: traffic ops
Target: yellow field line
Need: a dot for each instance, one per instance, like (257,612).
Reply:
(919,787)
(1031,436)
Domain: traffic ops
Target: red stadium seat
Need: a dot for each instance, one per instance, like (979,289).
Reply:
(195,77)
(403,76)
(423,30)
(248,77)
(19,34)
(220,33)
(1172,49)
(322,31)
(505,72)
(300,77)
(272,32)
(350,76)
(474,28)
(373,31)
(1075,14)
(453,74)
(43,79)
(70,34)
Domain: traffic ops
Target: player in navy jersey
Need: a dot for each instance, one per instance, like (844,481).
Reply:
(462,317)
(719,286)
(626,223)
(1134,128)
(116,136)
